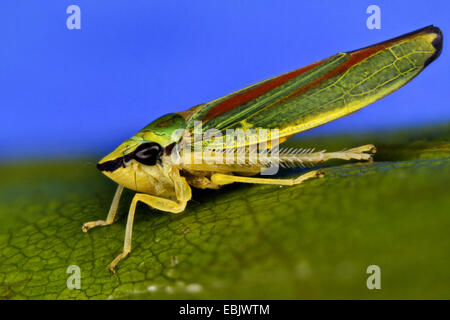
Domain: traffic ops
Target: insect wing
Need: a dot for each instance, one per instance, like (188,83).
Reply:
(321,92)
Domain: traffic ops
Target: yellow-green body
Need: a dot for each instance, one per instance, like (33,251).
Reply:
(158,161)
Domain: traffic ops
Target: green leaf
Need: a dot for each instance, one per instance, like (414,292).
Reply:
(313,240)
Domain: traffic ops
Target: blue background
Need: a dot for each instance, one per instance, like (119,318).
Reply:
(76,92)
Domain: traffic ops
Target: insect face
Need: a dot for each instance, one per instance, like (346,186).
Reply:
(138,169)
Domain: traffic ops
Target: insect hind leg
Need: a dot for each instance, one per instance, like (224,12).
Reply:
(364,152)
(367,148)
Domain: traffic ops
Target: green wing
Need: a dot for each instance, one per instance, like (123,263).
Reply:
(323,91)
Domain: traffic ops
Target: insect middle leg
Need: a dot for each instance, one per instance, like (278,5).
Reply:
(183,195)
(111,214)
(222,179)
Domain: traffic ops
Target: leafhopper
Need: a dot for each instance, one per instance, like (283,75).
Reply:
(193,148)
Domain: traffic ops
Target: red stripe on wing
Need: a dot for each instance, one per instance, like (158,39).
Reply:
(359,55)
(354,58)
(244,97)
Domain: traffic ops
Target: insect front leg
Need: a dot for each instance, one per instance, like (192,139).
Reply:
(222,179)
(111,214)
(183,194)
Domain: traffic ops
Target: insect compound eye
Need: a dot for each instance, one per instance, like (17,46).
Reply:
(148,153)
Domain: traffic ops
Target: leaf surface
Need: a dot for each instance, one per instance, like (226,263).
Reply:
(313,240)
